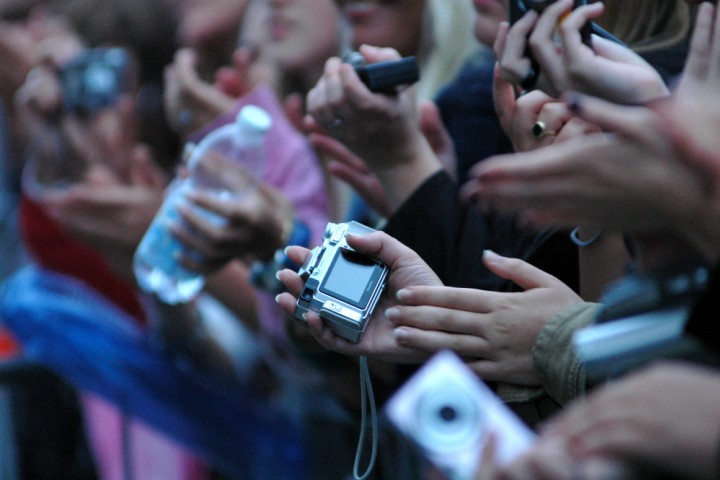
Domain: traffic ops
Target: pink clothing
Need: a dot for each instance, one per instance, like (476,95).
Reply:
(293,168)
(153,456)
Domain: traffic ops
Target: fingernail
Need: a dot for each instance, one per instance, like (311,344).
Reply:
(574,103)
(286,249)
(491,257)
(403,294)
(392,313)
(304,316)
(400,334)
(277,298)
(277,274)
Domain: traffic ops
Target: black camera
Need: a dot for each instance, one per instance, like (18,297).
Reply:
(383,77)
(341,285)
(96,79)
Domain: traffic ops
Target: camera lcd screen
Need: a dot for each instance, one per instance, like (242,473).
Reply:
(352,278)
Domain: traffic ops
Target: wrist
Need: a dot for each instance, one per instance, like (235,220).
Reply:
(401,178)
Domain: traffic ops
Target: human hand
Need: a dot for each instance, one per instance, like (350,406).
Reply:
(382,129)
(348,167)
(689,118)
(661,417)
(630,181)
(248,220)
(18,55)
(108,214)
(494,332)
(606,70)
(378,341)
(389,119)
(549,461)
(521,117)
(190,103)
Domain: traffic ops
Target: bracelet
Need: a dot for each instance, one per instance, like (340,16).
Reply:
(584,243)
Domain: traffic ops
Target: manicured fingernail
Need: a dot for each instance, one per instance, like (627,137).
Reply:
(400,334)
(392,313)
(574,103)
(403,294)
(491,257)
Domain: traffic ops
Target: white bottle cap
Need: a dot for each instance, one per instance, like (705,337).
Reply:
(253,118)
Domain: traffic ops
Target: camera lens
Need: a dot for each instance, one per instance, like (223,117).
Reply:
(448,419)
(448,413)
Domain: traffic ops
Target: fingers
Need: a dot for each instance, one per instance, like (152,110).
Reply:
(520,272)
(614,51)
(638,123)
(434,340)
(542,42)
(570,32)
(383,247)
(504,99)
(698,60)
(374,54)
(293,283)
(297,254)
(467,299)
(714,69)
(433,129)
(338,151)
(513,60)
(321,99)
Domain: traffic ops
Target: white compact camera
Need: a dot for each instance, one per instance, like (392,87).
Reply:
(448,412)
(341,285)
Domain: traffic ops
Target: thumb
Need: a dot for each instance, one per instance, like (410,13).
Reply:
(376,54)
(628,121)
(522,273)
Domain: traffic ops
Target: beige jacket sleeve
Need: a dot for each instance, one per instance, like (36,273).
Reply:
(560,371)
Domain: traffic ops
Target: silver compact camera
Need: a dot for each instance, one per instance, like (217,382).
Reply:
(448,412)
(341,285)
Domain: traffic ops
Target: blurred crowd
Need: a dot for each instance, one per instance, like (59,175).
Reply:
(544,197)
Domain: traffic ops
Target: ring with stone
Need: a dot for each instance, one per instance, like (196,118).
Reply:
(539,130)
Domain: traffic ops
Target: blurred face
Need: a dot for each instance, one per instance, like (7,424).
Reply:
(205,23)
(303,33)
(386,23)
(489,15)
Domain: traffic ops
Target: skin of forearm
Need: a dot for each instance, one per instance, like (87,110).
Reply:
(231,286)
(401,178)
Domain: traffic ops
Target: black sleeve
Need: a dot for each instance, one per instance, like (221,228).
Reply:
(451,236)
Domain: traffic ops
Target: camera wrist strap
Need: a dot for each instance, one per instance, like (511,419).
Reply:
(366,395)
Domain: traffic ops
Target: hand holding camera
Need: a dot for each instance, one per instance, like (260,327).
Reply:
(345,107)
(406,269)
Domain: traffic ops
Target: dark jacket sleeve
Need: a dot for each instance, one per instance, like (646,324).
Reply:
(451,235)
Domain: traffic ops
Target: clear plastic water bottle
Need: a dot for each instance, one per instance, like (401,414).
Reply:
(240,143)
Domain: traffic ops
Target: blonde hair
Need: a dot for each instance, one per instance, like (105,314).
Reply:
(647,25)
(448,41)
